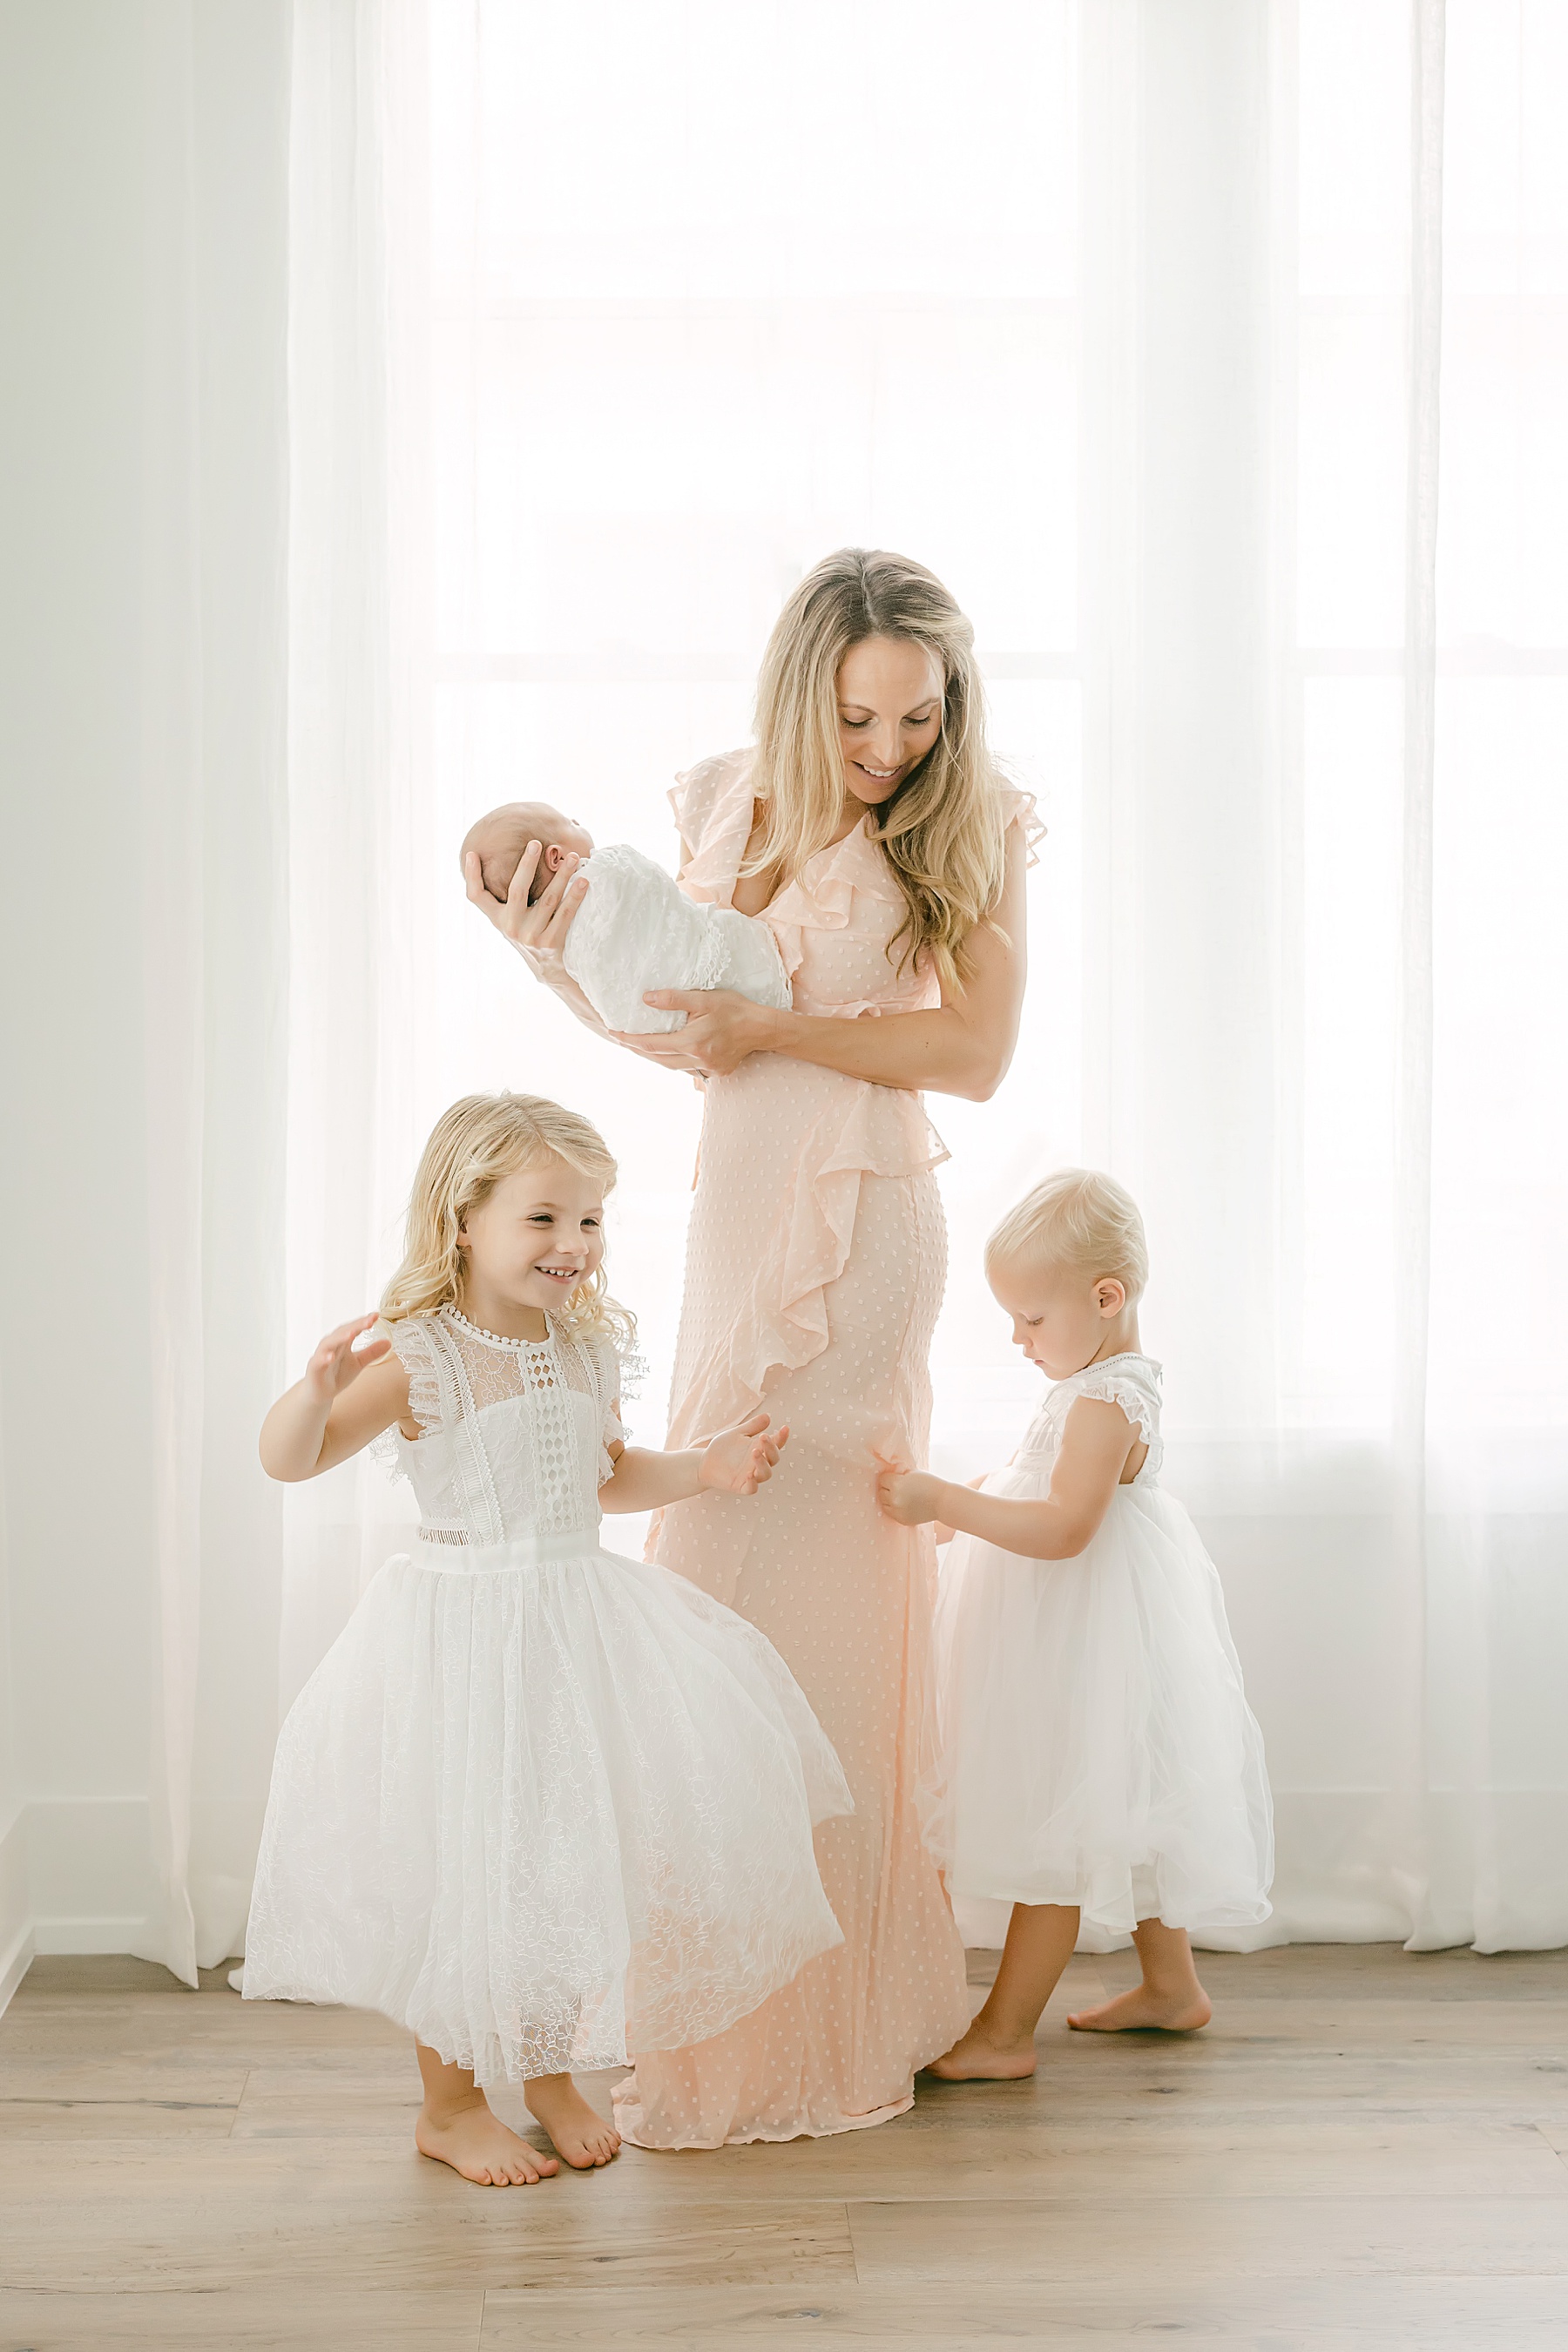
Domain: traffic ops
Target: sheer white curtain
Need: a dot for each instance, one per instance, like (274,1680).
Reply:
(1211,352)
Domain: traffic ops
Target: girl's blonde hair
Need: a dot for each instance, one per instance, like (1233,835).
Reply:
(942,831)
(473,1147)
(1080,1219)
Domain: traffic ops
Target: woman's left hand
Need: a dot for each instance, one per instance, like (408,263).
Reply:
(721,1028)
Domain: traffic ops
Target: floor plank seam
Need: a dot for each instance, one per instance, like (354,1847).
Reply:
(239,2103)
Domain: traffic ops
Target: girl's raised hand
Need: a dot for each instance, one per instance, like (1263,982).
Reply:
(740,1460)
(537,932)
(337,1362)
(908,1495)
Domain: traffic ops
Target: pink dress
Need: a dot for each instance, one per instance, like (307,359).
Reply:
(814,1266)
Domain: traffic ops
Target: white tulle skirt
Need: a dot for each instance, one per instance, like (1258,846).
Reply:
(1097,1747)
(547,1808)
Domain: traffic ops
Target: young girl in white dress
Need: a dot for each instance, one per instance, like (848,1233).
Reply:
(544,1806)
(1101,1764)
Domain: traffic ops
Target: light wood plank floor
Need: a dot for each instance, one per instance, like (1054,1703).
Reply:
(1366,2148)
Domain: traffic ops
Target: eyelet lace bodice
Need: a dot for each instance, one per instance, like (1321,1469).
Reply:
(1131,1381)
(513,1432)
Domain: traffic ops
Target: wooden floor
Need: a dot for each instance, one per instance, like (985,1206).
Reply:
(1366,2148)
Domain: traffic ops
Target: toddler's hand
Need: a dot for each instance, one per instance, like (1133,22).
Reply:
(908,1495)
(337,1362)
(740,1460)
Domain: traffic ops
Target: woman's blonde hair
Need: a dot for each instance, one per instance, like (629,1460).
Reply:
(473,1147)
(1080,1219)
(942,831)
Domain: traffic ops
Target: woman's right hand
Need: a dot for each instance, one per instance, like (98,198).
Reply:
(537,933)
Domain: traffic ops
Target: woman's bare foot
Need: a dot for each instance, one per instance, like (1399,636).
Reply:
(583,2138)
(983,2057)
(477,2144)
(1144,2010)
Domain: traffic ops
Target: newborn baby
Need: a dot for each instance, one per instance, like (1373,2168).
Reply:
(636,928)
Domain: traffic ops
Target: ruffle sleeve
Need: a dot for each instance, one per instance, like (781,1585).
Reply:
(1018,808)
(617,1370)
(713,809)
(411,1346)
(1138,1400)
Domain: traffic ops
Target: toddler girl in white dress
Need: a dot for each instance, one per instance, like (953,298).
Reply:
(1101,1764)
(636,928)
(544,1806)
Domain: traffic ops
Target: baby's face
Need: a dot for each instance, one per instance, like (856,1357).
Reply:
(499,839)
(1060,1316)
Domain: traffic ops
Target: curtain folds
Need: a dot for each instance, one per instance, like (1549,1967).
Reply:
(1154,378)
(208,772)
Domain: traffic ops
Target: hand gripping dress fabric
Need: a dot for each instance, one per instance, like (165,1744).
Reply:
(815,1259)
(544,1806)
(1097,1746)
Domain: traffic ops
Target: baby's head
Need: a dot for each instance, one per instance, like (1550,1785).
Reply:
(1068,1265)
(500,838)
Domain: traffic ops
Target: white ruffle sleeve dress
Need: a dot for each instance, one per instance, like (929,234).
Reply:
(544,1806)
(1097,1746)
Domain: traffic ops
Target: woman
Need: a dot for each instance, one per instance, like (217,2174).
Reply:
(870,830)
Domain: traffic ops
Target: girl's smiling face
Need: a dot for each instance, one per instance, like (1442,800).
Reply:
(526,1247)
(1062,1319)
(889,694)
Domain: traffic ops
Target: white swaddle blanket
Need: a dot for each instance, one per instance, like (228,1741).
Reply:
(637,929)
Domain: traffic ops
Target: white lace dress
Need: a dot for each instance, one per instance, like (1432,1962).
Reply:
(638,930)
(1097,1748)
(544,1806)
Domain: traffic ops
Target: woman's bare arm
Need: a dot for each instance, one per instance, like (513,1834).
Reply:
(962,1048)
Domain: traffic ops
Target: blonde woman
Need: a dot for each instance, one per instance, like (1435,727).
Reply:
(869,830)
(542,1805)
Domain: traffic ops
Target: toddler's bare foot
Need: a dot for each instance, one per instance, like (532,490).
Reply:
(1142,2009)
(479,2145)
(982,2056)
(584,2139)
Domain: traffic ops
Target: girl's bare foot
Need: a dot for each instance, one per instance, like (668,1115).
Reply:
(1145,2009)
(584,2139)
(477,2144)
(983,2057)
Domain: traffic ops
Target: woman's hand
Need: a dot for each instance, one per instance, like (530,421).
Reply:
(911,1496)
(722,1029)
(537,932)
(337,1362)
(740,1460)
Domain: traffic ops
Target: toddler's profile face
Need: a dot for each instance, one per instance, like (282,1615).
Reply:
(1058,1314)
(499,839)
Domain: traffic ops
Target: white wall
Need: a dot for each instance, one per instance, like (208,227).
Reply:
(145,360)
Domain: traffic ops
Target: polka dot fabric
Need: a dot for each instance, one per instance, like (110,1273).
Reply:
(816,1262)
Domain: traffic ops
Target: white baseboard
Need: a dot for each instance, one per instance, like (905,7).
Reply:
(13,1966)
(78,1934)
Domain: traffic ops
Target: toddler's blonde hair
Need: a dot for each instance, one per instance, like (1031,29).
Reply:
(472,1149)
(1080,1219)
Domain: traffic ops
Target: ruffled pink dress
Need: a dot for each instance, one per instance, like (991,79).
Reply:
(815,1261)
